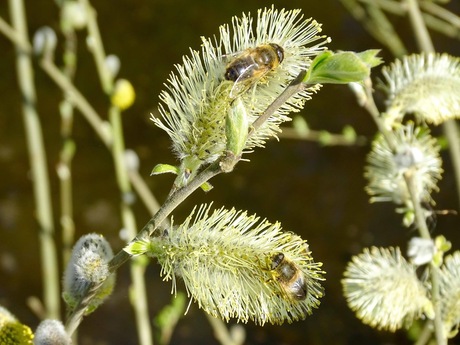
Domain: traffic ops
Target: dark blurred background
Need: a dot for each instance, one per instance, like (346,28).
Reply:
(315,191)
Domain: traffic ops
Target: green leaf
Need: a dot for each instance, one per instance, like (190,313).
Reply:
(163,169)
(342,67)
(206,187)
(166,320)
(138,247)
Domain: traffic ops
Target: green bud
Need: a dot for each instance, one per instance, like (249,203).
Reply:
(349,133)
(342,67)
(442,243)
(325,138)
(73,16)
(300,125)
(188,169)
(236,127)
(123,94)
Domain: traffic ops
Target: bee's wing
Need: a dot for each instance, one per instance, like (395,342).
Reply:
(245,80)
(227,57)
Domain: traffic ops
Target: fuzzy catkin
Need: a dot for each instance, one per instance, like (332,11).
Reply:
(51,332)
(88,265)
(425,85)
(195,104)
(225,259)
(383,289)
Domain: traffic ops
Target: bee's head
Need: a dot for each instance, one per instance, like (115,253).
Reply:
(231,74)
(279,51)
(276,260)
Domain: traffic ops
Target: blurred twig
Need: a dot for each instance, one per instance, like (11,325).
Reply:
(64,168)
(168,317)
(377,24)
(139,302)
(102,128)
(322,137)
(37,157)
(235,336)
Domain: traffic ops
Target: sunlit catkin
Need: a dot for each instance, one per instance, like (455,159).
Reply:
(237,267)
(424,85)
(450,292)
(383,289)
(407,151)
(200,93)
(12,332)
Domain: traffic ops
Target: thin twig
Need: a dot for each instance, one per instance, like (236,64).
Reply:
(139,302)
(64,167)
(425,335)
(322,137)
(451,131)
(102,128)
(422,227)
(420,30)
(377,24)
(147,197)
(222,333)
(12,34)
(441,12)
(97,48)
(391,6)
(294,87)
(37,157)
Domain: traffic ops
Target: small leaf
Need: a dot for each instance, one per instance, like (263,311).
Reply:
(138,247)
(163,169)
(167,318)
(206,187)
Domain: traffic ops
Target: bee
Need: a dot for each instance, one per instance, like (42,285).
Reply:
(289,276)
(251,65)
